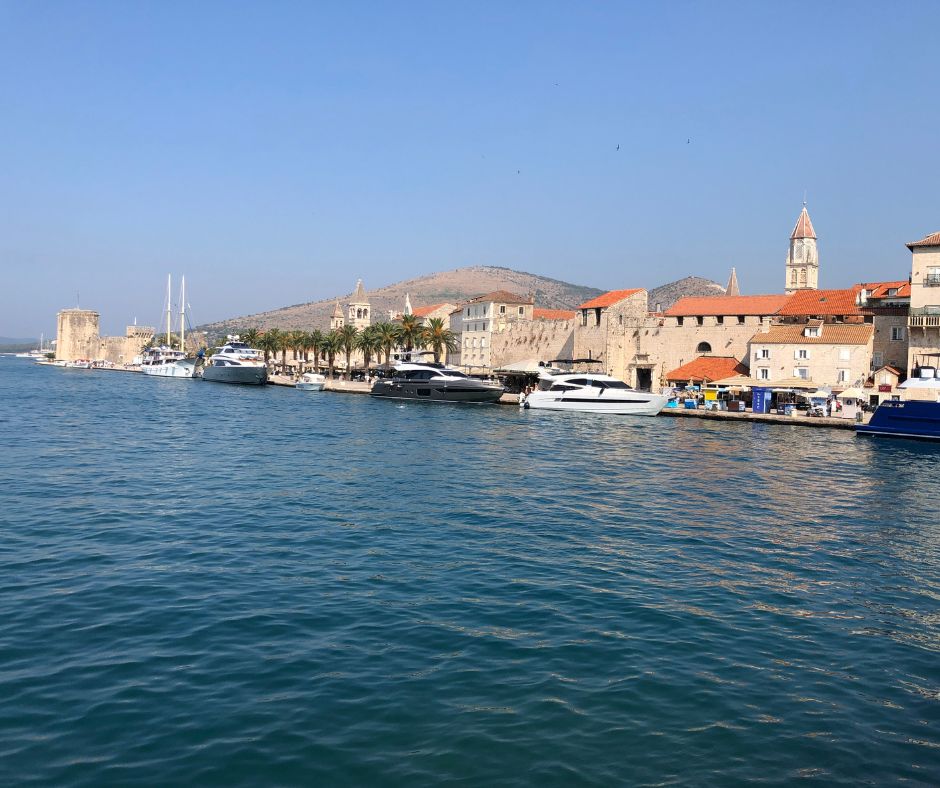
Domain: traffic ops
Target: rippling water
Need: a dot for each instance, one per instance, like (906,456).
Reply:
(221,585)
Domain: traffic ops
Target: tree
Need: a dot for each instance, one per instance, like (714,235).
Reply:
(250,336)
(332,344)
(387,334)
(370,344)
(348,339)
(315,343)
(411,332)
(298,342)
(440,338)
(284,344)
(270,342)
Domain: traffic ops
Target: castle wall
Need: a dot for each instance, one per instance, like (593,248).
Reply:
(76,334)
(520,340)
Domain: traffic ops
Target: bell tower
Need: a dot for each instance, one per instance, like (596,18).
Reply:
(803,258)
(359,308)
(336,319)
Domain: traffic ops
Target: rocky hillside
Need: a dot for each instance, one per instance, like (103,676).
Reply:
(665,296)
(456,287)
(448,286)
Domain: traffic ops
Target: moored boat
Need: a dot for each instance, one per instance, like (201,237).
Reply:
(433,382)
(311,381)
(235,362)
(589,392)
(910,418)
(167,363)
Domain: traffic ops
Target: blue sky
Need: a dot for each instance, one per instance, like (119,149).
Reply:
(274,152)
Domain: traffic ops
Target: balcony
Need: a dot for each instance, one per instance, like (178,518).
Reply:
(924,317)
(932,280)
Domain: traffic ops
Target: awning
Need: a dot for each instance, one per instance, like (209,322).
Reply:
(853,393)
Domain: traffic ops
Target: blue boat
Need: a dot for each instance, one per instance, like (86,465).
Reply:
(907,419)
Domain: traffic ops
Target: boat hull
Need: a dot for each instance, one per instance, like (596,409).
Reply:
(310,386)
(246,376)
(445,391)
(179,369)
(908,419)
(621,405)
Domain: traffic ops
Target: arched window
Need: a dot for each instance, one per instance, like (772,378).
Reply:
(793,277)
(703,347)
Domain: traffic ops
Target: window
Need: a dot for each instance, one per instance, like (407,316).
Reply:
(521,311)
(764,352)
(843,376)
(811,331)
(933,276)
(597,316)
(700,320)
(801,372)
(468,311)
(763,373)
(720,320)
(892,291)
(845,354)
(877,360)
(897,333)
(802,354)
(619,320)
(740,320)
(483,342)
(584,317)
(502,309)
(678,321)
(703,347)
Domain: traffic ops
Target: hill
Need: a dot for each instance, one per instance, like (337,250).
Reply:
(665,296)
(457,286)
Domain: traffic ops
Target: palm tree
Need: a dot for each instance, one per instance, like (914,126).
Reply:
(332,344)
(298,341)
(348,335)
(284,345)
(440,338)
(270,342)
(369,343)
(387,335)
(315,343)
(411,333)
(250,336)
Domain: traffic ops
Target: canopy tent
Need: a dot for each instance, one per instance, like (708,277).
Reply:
(786,384)
(738,382)
(529,366)
(853,393)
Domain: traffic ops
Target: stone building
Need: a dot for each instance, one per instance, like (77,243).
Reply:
(803,256)
(337,321)
(77,335)
(924,319)
(825,354)
(484,316)
(359,308)
(548,335)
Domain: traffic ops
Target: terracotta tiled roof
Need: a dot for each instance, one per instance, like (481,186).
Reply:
(804,227)
(553,314)
(831,334)
(726,305)
(931,240)
(821,302)
(880,289)
(609,299)
(892,370)
(424,311)
(710,368)
(501,297)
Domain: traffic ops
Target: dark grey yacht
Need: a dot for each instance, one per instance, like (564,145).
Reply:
(435,383)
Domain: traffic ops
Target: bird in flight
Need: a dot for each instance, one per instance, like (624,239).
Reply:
(688,141)
(618,146)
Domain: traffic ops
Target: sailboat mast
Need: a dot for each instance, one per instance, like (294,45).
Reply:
(183,315)
(169,306)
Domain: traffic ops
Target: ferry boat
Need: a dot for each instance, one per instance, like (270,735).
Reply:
(912,418)
(433,382)
(235,362)
(591,392)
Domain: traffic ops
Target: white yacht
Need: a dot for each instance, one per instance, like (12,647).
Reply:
(40,353)
(167,363)
(235,362)
(591,393)
(434,382)
(311,381)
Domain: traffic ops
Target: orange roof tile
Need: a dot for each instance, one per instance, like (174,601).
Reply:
(831,334)
(691,306)
(804,227)
(502,297)
(708,368)
(931,240)
(821,302)
(553,314)
(424,311)
(609,299)
(880,289)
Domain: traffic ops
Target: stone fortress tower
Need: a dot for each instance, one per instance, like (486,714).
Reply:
(359,308)
(803,258)
(77,335)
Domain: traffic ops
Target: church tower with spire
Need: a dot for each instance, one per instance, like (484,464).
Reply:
(803,258)
(359,308)
(336,319)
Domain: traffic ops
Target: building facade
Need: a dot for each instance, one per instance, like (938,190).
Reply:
(825,354)
(484,316)
(924,318)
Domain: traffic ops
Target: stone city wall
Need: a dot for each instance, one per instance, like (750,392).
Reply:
(542,340)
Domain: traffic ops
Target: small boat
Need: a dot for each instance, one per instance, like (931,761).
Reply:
(39,354)
(911,418)
(235,362)
(311,381)
(433,382)
(589,392)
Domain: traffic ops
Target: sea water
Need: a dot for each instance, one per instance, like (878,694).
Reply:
(221,585)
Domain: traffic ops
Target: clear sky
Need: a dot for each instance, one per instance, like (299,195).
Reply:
(273,152)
